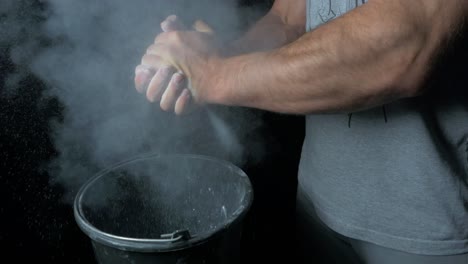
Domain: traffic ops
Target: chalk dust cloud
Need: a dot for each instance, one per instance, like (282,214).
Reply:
(85,53)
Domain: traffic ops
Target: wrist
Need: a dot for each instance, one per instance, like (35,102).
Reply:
(230,81)
(234,48)
(214,83)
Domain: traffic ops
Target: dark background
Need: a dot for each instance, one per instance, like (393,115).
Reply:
(36,225)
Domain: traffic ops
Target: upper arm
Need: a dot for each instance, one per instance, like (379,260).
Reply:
(434,17)
(291,12)
(421,30)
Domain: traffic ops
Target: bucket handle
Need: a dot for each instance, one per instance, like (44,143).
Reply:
(177,236)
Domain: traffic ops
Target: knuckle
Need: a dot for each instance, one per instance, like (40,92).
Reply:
(151,49)
(159,37)
(164,36)
(145,60)
(178,36)
(174,35)
(139,68)
(150,61)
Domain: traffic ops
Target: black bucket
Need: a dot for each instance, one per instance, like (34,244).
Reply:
(165,209)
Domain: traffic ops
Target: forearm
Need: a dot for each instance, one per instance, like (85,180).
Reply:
(375,54)
(268,33)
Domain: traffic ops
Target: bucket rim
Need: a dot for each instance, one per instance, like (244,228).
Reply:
(159,245)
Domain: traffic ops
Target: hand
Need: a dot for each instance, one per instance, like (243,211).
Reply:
(162,82)
(195,53)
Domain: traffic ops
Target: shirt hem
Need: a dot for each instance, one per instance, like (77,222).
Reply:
(409,245)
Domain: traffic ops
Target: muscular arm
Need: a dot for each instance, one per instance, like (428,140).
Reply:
(377,53)
(283,24)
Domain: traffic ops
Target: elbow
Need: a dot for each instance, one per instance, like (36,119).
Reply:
(401,56)
(409,84)
(407,71)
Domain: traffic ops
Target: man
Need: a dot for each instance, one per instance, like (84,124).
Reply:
(384,164)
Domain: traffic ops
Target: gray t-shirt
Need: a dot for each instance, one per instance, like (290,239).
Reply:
(396,175)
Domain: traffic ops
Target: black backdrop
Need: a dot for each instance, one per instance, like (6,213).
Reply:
(35,225)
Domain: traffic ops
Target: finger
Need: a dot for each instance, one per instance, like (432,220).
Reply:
(152,61)
(164,41)
(172,23)
(201,26)
(158,55)
(159,83)
(155,49)
(143,76)
(170,95)
(182,103)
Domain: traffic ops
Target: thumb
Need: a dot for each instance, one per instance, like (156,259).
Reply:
(201,26)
